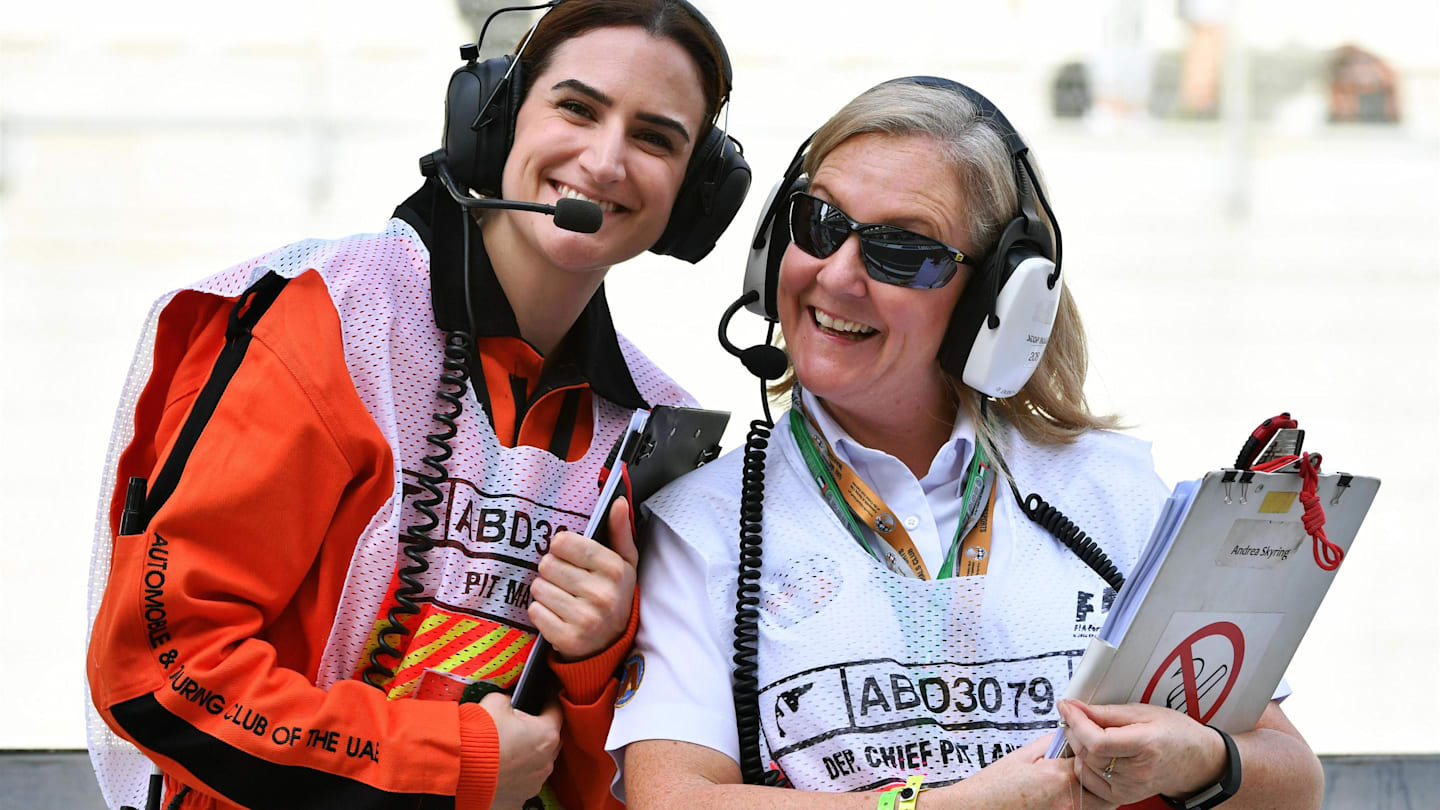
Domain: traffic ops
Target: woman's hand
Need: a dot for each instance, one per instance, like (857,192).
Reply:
(528,745)
(1025,780)
(1147,749)
(581,600)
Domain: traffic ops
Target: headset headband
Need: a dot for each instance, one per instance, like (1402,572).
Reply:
(714,36)
(726,72)
(1013,141)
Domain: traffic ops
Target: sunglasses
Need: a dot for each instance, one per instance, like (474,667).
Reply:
(891,254)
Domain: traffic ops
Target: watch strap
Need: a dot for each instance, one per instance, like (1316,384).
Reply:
(1227,786)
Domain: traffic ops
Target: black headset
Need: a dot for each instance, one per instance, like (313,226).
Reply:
(483,99)
(1002,322)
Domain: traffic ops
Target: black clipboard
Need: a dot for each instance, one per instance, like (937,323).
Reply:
(657,447)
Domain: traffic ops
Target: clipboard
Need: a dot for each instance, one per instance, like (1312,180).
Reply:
(1220,599)
(657,447)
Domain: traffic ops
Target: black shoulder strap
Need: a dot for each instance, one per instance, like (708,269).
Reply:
(247,311)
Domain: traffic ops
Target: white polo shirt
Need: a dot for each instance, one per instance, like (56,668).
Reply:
(928,508)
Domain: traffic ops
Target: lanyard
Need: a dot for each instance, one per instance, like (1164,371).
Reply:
(973,552)
(869,520)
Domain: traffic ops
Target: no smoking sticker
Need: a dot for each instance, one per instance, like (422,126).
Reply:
(1197,675)
(1201,658)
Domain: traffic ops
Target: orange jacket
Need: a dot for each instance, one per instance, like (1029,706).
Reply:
(205,648)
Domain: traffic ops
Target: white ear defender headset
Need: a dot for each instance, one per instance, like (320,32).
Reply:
(1002,323)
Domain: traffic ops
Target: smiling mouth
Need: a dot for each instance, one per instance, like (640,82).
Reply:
(840,327)
(574,194)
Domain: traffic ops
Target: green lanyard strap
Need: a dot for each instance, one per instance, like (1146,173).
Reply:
(829,490)
(975,493)
(978,484)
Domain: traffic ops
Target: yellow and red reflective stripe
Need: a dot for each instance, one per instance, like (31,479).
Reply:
(458,634)
(464,647)
(504,665)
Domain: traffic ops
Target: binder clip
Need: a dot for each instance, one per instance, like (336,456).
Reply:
(1340,486)
(1230,477)
(1245,479)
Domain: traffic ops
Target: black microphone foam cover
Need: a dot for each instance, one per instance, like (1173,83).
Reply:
(581,216)
(765,362)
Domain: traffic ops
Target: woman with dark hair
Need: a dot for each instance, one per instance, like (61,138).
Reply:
(330,553)
(900,621)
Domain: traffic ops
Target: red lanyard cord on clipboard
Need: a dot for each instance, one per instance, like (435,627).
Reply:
(1327,554)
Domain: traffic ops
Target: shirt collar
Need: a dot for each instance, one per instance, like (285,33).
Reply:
(946,469)
(590,352)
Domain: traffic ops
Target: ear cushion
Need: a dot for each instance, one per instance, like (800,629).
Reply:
(1008,348)
(476,149)
(717,179)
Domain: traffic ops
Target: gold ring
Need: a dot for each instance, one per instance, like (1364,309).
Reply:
(1110,769)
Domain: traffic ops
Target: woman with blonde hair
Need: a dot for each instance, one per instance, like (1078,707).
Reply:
(904,619)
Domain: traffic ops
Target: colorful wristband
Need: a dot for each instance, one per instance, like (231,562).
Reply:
(906,797)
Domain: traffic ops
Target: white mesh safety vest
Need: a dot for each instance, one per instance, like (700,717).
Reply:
(867,676)
(502,504)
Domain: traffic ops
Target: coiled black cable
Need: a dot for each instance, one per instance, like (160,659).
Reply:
(1063,529)
(747,608)
(416,541)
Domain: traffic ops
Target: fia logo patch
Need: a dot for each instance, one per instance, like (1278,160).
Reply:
(1090,616)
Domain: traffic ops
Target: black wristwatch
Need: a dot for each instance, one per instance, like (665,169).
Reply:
(1228,785)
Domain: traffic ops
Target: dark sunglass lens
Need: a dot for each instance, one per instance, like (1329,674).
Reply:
(817,227)
(831,227)
(897,256)
(802,208)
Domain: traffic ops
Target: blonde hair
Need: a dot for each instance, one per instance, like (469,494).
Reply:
(1051,408)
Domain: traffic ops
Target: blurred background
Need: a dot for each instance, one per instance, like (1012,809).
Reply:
(1250,197)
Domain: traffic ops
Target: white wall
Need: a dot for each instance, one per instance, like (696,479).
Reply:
(143,149)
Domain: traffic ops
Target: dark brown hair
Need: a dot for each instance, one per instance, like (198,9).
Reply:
(676,21)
